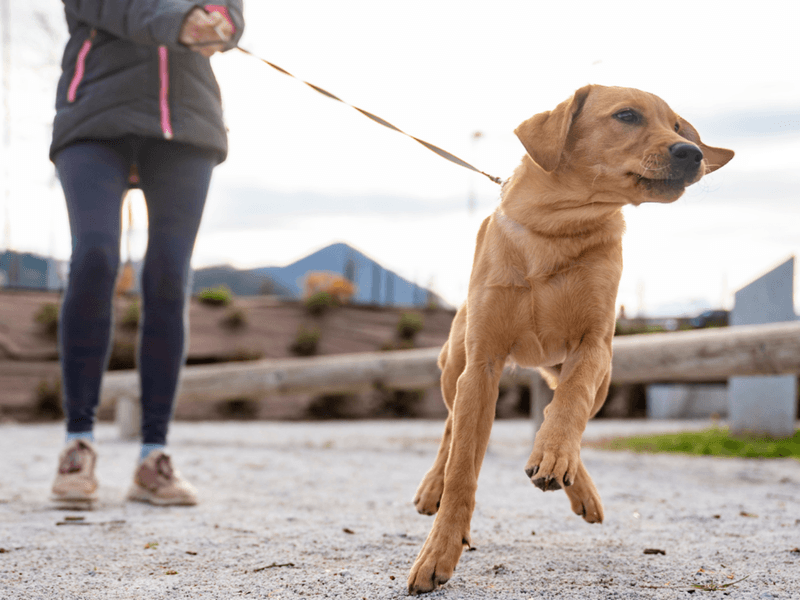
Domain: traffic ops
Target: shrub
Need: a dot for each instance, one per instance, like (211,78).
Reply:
(47,317)
(267,288)
(330,406)
(130,320)
(220,295)
(320,302)
(238,409)
(399,403)
(235,319)
(397,345)
(306,342)
(246,354)
(49,399)
(123,356)
(637,328)
(238,355)
(411,323)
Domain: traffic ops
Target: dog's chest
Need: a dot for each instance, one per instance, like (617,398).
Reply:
(564,290)
(531,258)
(529,351)
(551,326)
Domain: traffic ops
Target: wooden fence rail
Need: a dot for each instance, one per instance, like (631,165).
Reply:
(708,354)
(700,355)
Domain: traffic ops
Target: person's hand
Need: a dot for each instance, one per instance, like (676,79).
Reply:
(201,27)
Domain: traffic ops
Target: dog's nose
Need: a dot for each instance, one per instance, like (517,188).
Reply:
(686,155)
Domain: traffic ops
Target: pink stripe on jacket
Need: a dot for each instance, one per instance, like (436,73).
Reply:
(163,92)
(80,68)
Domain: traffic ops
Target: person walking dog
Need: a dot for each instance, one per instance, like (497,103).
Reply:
(137,105)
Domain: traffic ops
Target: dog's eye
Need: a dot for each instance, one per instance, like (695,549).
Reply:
(628,116)
(677,127)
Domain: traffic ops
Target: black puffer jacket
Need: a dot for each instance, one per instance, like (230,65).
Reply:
(124,72)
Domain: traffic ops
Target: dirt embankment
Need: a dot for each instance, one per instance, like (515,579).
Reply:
(29,355)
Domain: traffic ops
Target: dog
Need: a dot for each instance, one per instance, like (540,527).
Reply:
(542,293)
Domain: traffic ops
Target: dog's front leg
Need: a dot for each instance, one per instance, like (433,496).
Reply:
(555,460)
(473,415)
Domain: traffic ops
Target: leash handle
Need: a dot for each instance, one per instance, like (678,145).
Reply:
(443,153)
(219,32)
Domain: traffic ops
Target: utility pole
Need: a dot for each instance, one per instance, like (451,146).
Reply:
(472,200)
(5,24)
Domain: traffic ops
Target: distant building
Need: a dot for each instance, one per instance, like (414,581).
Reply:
(30,271)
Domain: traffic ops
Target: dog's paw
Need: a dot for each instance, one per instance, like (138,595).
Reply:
(584,498)
(551,469)
(436,561)
(429,494)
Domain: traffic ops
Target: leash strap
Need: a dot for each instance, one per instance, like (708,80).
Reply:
(443,153)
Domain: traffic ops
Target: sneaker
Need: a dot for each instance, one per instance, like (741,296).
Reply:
(75,480)
(157,482)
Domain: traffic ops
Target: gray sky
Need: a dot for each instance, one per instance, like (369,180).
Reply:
(304,171)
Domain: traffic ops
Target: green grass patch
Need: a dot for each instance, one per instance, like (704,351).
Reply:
(710,442)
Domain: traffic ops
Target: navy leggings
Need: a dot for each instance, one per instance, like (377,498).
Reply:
(94,175)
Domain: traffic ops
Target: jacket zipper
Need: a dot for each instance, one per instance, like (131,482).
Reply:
(80,67)
(163,92)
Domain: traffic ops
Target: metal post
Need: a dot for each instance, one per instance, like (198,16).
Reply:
(541,395)
(128,417)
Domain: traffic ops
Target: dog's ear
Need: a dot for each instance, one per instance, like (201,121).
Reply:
(544,135)
(715,157)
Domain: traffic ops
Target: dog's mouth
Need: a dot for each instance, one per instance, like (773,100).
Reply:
(668,188)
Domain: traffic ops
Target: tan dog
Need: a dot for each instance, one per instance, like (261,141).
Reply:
(543,291)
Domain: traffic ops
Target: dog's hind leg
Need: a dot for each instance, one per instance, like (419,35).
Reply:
(429,492)
(452,361)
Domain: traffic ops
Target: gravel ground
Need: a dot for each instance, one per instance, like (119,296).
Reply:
(322,510)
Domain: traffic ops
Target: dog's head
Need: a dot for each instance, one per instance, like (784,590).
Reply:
(620,140)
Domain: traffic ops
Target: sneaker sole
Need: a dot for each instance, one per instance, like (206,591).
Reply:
(74,502)
(142,495)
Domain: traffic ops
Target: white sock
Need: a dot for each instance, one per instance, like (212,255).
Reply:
(148,448)
(83,435)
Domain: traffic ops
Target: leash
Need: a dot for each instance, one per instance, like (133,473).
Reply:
(443,153)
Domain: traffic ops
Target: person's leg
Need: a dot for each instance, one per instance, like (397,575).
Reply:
(175,179)
(93,177)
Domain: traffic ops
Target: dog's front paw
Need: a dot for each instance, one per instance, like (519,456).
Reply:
(429,493)
(436,561)
(551,468)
